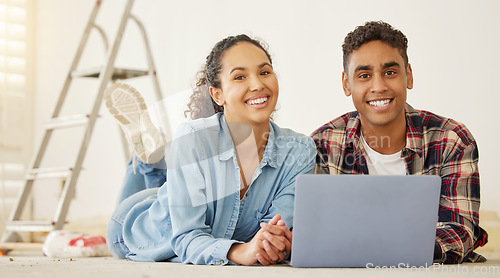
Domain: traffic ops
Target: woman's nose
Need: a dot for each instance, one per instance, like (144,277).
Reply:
(256,84)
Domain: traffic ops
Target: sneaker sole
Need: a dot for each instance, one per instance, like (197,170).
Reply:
(125,103)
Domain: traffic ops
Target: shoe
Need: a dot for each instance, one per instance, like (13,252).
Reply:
(127,105)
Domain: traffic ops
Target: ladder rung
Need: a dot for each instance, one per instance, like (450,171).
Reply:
(48,173)
(118,73)
(29,226)
(67,121)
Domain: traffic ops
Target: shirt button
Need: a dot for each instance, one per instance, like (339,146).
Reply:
(246,194)
(222,261)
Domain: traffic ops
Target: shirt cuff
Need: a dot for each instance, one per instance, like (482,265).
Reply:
(438,253)
(219,254)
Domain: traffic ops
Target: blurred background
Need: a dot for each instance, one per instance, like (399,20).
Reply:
(453,49)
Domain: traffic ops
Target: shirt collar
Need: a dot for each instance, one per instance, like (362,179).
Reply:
(414,133)
(414,130)
(226,145)
(352,134)
(228,150)
(271,152)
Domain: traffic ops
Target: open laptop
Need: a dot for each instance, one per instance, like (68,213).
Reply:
(365,221)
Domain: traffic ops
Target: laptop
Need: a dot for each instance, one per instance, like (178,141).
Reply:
(365,221)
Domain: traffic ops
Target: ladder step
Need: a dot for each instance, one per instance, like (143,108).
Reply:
(48,173)
(67,121)
(118,73)
(29,226)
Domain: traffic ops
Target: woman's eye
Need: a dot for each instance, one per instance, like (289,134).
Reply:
(265,73)
(239,77)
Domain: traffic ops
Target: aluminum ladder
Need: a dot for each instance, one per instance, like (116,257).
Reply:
(108,73)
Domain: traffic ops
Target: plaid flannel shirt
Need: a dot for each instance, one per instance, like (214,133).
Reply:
(434,146)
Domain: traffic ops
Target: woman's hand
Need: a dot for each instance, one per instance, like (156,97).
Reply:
(279,230)
(267,246)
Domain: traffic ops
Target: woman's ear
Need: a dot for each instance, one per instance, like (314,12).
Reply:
(217,96)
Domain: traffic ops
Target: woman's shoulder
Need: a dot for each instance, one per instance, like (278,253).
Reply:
(202,123)
(198,125)
(197,135)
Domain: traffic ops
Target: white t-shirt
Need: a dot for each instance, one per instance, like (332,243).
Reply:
(383,164)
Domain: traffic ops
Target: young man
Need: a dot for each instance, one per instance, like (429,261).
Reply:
(386,136)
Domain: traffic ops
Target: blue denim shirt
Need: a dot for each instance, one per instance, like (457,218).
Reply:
(197,214)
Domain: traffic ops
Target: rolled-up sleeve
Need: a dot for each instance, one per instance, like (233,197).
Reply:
(300,162)
(458,224)
(192,240)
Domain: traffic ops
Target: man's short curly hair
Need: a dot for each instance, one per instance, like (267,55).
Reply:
(374,31)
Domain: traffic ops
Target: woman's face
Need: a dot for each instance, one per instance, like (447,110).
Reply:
(249,88)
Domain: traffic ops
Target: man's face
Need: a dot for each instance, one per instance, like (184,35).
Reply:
(377,79)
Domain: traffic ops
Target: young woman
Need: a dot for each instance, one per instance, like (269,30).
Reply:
(229,191)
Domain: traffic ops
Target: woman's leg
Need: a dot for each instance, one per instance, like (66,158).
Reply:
(114,233)
(145,176)
(154,174)
(134,182)
(147,168)
(147,172)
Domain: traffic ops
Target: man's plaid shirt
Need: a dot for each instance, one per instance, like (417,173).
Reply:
(434,146)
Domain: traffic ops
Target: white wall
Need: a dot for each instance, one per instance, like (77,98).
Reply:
(453,48)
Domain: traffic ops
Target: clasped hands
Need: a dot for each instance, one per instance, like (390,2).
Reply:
(269,246)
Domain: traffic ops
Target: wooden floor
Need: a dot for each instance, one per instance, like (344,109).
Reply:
(34,264)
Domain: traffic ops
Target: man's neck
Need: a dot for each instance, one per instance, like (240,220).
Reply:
(385,139)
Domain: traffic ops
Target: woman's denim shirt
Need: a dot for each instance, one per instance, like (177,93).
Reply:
(197,214)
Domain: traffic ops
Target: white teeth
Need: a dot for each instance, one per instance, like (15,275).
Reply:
(379,103)
(257,101)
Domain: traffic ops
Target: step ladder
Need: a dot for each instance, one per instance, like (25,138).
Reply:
(108,73)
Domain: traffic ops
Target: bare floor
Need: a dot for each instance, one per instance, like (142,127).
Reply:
(34,264)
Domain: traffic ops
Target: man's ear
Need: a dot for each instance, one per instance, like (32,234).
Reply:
(345,84)
(217,96)
(409,77)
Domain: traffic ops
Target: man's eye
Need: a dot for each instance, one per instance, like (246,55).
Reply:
(364,76)
(390,72)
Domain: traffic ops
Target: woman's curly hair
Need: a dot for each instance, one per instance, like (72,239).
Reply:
(201,104)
